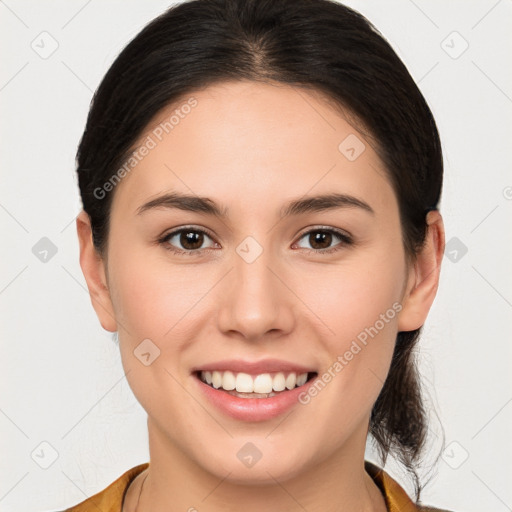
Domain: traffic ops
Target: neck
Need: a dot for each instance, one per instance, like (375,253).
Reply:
(174,482)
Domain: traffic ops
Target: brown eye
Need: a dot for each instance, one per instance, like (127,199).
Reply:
(191,239)
(186,241)
(320,240)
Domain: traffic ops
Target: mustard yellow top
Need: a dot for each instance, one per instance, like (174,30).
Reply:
(111,498)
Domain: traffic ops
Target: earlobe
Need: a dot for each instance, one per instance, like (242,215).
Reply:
(423,277)
(93,268)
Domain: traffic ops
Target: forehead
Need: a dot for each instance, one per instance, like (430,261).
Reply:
(245,142)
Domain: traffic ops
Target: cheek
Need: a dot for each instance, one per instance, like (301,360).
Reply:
(152,302)
(352,298)
(359,303)
(368,304)
(361,309)
(152,297)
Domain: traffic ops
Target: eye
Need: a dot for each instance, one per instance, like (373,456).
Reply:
(321,238)
(191,239)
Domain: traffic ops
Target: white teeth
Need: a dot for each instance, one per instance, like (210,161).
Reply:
(291,380)
(263,383)
(245,383)
(228,381)
(279,382)
(301,379)
(216,379)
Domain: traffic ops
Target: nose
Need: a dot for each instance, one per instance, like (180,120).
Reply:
(254,301)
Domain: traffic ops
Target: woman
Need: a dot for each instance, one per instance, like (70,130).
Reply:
(260,182)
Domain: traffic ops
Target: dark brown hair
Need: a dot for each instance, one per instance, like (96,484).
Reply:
(317,44)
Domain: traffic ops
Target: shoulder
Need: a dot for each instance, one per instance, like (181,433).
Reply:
(111,498)
(397,500)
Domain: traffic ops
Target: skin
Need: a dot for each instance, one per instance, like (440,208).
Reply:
(252,147)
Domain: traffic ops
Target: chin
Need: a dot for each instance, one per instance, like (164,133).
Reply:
(239,469)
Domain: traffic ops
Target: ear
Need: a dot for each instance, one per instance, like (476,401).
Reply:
(423,277)
(93,268)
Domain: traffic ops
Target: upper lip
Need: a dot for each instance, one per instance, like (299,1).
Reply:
(253,367)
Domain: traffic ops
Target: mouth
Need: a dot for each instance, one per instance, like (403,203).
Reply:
(263,385)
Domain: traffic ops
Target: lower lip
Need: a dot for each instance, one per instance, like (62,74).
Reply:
(253,409)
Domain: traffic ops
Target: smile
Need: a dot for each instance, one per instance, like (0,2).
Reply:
(263,385)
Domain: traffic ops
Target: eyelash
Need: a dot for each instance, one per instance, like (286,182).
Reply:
(346,240)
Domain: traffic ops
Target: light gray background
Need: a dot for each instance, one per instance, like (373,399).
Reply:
(62,379)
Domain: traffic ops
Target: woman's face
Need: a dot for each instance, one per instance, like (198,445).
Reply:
(256,286)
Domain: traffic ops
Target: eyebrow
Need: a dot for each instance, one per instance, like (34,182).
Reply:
(205,205)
